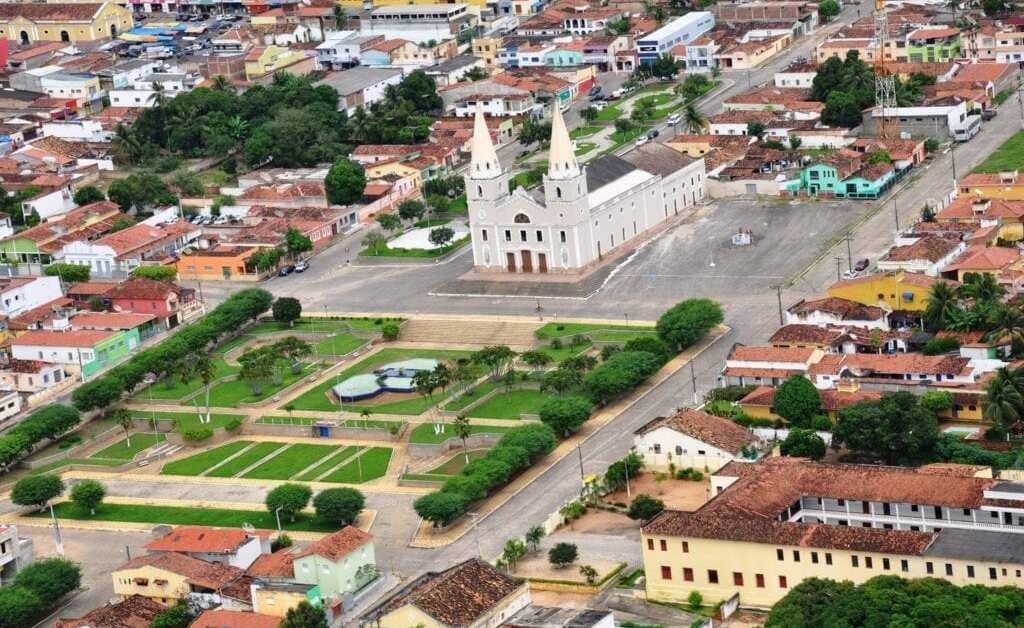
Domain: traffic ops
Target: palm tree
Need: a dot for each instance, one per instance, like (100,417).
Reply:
(124,419)
(1005,322)
(693,119)
(237,127)
(198,365)
(463,431)
(1003,402)
(340,17)
(127,145)
(365,414)
(359,124)
(221,83)
(158,98)
(982,287)
(942,306)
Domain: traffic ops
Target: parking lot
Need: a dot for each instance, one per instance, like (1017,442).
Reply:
(191,40)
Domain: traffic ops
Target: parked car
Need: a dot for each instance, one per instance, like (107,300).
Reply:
(595,90)
(643,139)
(862,265)
(600,105)
(286,270)
(301,266)
(653,133)
(988,114)
(674,119)
(619,93)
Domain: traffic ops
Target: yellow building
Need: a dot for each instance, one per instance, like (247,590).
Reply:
(382,170)
(759,402)
(167,577)
(280,597)
(972,211)
(474,5)
(487,48)
(221,263)
(265,60)
(472,594)
(26,23)
(777,522)
(1004,185)
(898,291)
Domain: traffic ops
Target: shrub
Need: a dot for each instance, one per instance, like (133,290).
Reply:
(340,506)
(471,487)
(197,434)
(233,425)
(645,507)
(68,273)
(50,578)
(289,498)
(390,331)
(618,375)
(940,345)
(563,555)
(514,456)
(280,541)
(536,440)
(695,600)
(19,607)
(650,344)
(803,443)
(729,393)
(608,351)
(492,471)
(441,508)
(821,423)
(565,415)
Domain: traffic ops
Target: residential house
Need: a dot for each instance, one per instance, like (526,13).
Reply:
(904,153)
(912,368)
(842,174)
(799,17)
(973,344)
(223,262)
(145,325)
(262,62)
(169,578)
(170,303)
(30,56)
(85,352)
(928,254)
(83,292)
(759,403)
(975,213)
(895,291)
(38,381)
(748,49)
(53,198)
(433,160)
(453,70)
(992,260)
(776,126)
(277,598)
(342,49)
(120,252)
(15,553)
(801,335)
(933,44)
(19,294)
(135,611)
(776,523)
(795,102)
(496,99)
(941,119)
(470,593)
(837,311)
(224,546)
(339,564)
(1007,186)
(220,618)
(766,365)
(85,22)
(361,86)
(144,92)
(694,439)
(797,74)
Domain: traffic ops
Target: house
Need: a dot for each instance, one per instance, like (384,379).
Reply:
(800,335)
(470,593)
(225,546)
(933,44)
(973,211)
(904,153)
(262,62)
(143,324)
(361,86)
(343,49)
(83,292)
(85,352)
(776,125)
(799,17)
(1006,186)
(222,262)
(277,598)
(942,119)
(993,260)
(19,294)
(797,74)
(135,611)
(171,304)
(31,376)
(420,23)
(38,245)
(973,344)
(680,31)
(15,553)
(794,101)
(118,253)
(759,402)
(86,22)
(497,99)
(340,563)
(895,291)
(454,70)
(766,365)
(220,618)
(928,254)
(169,578)
(842,174)
(837,311)
(910,367)
(694,439)
(783,520)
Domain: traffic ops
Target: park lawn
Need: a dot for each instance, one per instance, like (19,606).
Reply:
(383,250)
(424,434)
(661,113)
(250,457)
(583,131)
(425,223)
(564,329)
(234,343)
(621,138)
(290,461)
(657,99)
(177,390)
(458,205)
(316,398)
(122,450)
(185,421)
(612,335)
(329,463)
(237,391)
(510,405)
(1009,156)
(95,462)
(566,351)
(369,324)
(584,147)
(181,515)
(609,114)
(455,464)
(471,395)
(198,463)
(373,463)
(373,424)
(339,344)
(323,325)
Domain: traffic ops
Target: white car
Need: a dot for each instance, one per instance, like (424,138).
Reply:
(674,119)
(643,139)
(600,105)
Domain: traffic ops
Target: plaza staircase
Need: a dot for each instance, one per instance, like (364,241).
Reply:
(481,332)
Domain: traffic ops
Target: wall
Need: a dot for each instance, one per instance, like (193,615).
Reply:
(175,589)
(738,187)
(686,451)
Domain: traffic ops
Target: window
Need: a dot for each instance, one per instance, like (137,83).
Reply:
(483,233)
(868,562)
(687,574)
(759,580)
(814,557)
(885,564)
(561,236)
(713,576)
(686,547)
(650,544)
(949,569)
(666,572)
(540,235)
(970,571)
(522,235)
(782,582)
(904,566)
(508,235)
(929,568)
(796,556)
(779,554)
(841,502)
(664,545)
(737,579)
(828,558)
(855,561)
(991,573)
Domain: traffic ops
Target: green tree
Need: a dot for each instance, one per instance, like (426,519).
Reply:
(665,66)
(287,310)
(797,400)
(441,236)
(693,120)
(644,507)
(339,506)
(294,351)
(290,499)
(19,607)
(755,129)
(345,182)
(68,273)
(36,490)
(533,537)
(156,273)
(50,578)
(88,494)
(687,322)
(619,472)
(140,191)
(463,430)
(88,194)
(177,616)
(411,210)
(589,574)
(942,305)
(803,443)
(497,358)
(295,242)
(389,222)
(590,114)
(514,550)
(1003,403)
(562,555)
(565,415)
(936,401)
(895,429)
(562,380)
(441,508)
(304,615)
(827,9)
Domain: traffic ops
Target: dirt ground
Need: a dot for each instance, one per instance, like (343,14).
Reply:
(537,566)
(677,494)
(604,522)
(744,619)
(554,599)
(386,397)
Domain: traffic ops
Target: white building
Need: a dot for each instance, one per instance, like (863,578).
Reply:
(144,92)
(77,130)
(15,553)
(580,215)
(69,348)
(6,226)
(120,252)
(56,202)
(342,48)
(419,23)
(691,439)
(796,76)
(942,120)
(361,86)
(19,294)
(680,31)
(769,366)
(225,546)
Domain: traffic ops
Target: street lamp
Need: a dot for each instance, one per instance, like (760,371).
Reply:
(58,541)
(277,515)
(150,379)
(476,531)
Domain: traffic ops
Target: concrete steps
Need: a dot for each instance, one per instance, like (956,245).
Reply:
(475,332)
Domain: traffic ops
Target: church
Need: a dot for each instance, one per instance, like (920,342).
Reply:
(581,215)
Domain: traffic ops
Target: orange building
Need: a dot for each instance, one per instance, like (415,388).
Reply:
(222,262)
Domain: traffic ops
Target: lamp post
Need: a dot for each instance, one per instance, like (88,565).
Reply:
(150,380)
(277,515)
(57,540)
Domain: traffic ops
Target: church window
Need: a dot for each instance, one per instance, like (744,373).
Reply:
(522,235)
(508,235)
(479,191)
(540,235)
(521,219)
(561,235)
(483,234)
(558,192)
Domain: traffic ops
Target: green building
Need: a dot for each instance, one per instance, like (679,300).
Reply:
(339,564)
(842,176)
(89,351)
(933,45)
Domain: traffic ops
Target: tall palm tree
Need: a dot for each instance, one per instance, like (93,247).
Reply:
(942,305)
(221,83)
(693,119)
(199,365)
(340,17)
(158,98)
(127,145)
(359,124)
(982,287)
(1003,402)
(1006,321)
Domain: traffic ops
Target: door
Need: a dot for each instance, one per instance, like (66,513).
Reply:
(511,262)
(542,262)
(527,262)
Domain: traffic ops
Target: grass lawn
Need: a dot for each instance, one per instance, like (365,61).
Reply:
(455,464)
(609,114)
(328,463)
(290,461)
(96,462)
(657,99)
(583,131)
(596,331)
(234,343)
(510,405)
(181,515)
(339,344)
(1009,156)
(424,434)
(373,463)
(316,398)
(621,138)
(458,205)
(173,388)
(430,222)
(471,395)
(369,324)
(305,420)
(383,250)
(230,394)
(415,405)
(188,420)
(250,457)
(124,451)
(566,351)
(194,465)
(323,325)
(584,147)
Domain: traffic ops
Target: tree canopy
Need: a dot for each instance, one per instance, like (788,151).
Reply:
(797,401)
(345,182)
(687,321)
(896,429)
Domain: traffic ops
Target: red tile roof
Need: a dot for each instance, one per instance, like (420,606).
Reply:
(866,364)
(338,545)
(142,236)
(90,288)
(110,320)
(54,12)
(143,289)
(220,618)
(844,309)
(278,564)
(135,611)
(930,248)
(707,428)
(742,353)
(798,333)
(981,258)
(46,338)
(199,572)
(200,539)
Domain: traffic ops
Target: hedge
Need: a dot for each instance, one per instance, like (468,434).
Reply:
(46,423)
(229,316)
(619,374)
(197,434)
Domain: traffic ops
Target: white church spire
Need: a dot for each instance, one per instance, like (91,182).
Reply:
(562,158)
(483,160)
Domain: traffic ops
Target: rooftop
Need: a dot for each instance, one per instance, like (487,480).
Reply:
(135,611)
(200,540)
(198,572)
(358,78)
(930,248)
(221,618)
(45,338)
(337,545)
(845,309)
(707,428)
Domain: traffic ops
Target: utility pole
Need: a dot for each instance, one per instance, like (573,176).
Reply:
(57,539)
(1020,99)
(693,380)
(952,156)
(849,250)
(778,294)
(839,261)
(583,478)
(896,214)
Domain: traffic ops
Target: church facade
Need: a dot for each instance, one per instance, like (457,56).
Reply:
(580,215)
